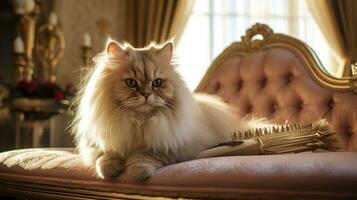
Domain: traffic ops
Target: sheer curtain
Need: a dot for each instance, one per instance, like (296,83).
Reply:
(215,24)
(338,19)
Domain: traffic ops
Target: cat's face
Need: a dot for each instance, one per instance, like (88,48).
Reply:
(143,80)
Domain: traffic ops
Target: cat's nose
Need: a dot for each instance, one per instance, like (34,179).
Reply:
(146,94)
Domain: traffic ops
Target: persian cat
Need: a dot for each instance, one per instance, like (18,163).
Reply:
(135,113)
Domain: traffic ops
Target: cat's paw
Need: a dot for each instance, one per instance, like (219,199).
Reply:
(109,167)
(141,171)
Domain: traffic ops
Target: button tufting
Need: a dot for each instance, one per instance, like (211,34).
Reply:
(301,105)
(249,108)
(237,89)
(275,107)
(331,104)
(349,130)
(238,86)
(291,77)
(218,86)
(264,81)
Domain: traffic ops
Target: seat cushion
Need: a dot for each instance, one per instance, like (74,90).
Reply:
(331,175)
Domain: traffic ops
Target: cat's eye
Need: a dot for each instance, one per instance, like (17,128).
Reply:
(157,82)
(130,82)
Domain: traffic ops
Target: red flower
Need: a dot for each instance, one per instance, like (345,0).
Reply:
(59,96)
(22,82)
(31,86)
(50,84)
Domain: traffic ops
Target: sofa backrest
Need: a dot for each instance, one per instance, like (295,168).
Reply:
(281,78)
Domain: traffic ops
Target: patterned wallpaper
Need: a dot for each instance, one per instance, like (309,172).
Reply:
(97,17)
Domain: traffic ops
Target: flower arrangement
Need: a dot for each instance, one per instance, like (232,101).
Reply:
(41,90)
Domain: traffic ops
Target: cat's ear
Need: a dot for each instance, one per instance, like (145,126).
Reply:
(166,52)
(116,50)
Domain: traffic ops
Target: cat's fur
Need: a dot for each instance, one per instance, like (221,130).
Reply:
(117,129)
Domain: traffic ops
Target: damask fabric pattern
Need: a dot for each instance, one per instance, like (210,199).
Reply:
(314,175)
(99,18)
(274,84)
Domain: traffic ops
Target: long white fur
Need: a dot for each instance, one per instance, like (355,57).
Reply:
(199,121)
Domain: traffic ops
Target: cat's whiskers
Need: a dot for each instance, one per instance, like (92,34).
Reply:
(130,103)
(170,106)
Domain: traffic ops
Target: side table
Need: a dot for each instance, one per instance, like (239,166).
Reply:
(33,115)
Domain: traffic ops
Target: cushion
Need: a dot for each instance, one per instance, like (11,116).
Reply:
(61,172)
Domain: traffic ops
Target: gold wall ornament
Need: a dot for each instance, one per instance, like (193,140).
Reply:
(86,50)
(353,80)
(354,69)
(50,46)
(272,40)
(86,56)
(20,62)
(28,10)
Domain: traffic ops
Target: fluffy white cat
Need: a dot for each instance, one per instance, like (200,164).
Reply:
(136,114)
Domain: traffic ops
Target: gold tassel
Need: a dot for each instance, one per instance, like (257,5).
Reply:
(281,139)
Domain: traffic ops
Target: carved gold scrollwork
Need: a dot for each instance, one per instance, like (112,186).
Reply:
(353,84)
(49,48)
(248,41)
(353,80)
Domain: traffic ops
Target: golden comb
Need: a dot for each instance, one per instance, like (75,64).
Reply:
(281,139)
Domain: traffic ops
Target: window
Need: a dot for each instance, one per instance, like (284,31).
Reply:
(215,24)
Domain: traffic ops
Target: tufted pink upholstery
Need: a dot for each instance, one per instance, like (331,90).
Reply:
(274,83)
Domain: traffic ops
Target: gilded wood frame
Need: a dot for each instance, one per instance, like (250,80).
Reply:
(272,40)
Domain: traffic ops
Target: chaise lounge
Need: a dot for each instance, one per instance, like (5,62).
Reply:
(278,77)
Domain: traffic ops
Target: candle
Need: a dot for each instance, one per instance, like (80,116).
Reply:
(19,45)
(87,41)
(19,6)
(29,6)
(24,6)
(52,19)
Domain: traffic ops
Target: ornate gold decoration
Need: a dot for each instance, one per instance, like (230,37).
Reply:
(26,28)
(86,55)
(86,49)
(353,84)
(49,48)
(353,80)
(272,40)
(249,43)
(20,63)
(293,138)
